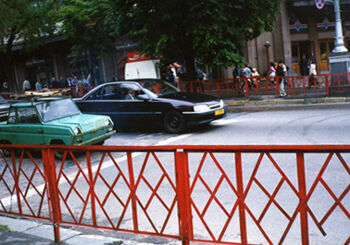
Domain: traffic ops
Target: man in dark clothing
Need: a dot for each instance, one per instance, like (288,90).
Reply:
(303,66)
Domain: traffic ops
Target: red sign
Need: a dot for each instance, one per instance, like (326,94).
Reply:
(136,56)
(320,3)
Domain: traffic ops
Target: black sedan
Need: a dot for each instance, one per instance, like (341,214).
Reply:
(133,104)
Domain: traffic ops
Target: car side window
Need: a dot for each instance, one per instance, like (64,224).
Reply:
(111,92)
(27,115)
(130,92)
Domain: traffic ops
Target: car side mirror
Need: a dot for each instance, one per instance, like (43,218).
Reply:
(143,97)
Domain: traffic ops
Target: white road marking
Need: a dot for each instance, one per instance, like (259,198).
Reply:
(224,121)
(10,200)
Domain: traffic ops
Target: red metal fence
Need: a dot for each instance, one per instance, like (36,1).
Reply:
(320,85)
(215,194)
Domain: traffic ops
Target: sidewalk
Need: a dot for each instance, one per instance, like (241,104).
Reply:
(261,103)
(16,230)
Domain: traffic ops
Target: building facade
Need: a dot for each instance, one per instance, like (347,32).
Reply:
(301,29)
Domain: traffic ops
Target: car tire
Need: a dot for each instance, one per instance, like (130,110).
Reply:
(6,152)
(174,122)
(58,154)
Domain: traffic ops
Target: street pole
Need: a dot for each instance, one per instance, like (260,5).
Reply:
(339,38)
(339,59)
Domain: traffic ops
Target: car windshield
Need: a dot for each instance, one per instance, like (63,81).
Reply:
(56,109)
(159,87)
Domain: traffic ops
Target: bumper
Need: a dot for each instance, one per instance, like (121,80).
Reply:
(206,117)
(98,139)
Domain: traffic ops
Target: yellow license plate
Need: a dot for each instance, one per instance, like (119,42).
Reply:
(219,112)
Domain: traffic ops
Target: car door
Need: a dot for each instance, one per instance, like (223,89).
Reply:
(105,101)
(25,126)
(138,107)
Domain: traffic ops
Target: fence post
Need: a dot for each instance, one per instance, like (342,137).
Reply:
(16,177)
(183,197)
(302,198)
(133,192)
(53,199)
(327,84)
(240,190)
(91,189)
(278,86)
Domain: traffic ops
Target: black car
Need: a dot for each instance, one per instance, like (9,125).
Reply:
(151,102)
(4,109)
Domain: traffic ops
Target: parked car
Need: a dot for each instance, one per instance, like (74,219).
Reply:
(53,121)
(132,104)
(4,109)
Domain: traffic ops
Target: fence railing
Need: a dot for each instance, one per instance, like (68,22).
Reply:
(320,85)
(216,194)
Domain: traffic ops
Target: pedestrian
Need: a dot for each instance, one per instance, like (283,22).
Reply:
(312,73)
(54,83)
(303,65)
(61,82)
(38,85)
(26,85)
(281,72)
(247,74)
(115,77)
(200,77)
(272,72)
(170,77)
(255,75)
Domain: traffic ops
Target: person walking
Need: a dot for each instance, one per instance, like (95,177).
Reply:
(26,85)
(272,72)
(312,71)
(281,72)
(38,85)
(304,65)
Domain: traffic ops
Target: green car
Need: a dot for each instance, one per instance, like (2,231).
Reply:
(56,121)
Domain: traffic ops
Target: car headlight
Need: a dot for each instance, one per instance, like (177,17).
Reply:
(222,104)
(201,108)
(77,130)
(108,122)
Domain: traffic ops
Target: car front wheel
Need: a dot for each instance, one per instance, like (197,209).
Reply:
(174,122)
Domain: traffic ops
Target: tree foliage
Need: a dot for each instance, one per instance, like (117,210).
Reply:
(85,25)
(24,22)
(210,30)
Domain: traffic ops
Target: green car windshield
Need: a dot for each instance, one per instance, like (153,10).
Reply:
(56,109)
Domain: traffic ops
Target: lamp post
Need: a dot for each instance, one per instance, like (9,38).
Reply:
(339,38)
(339,59)
(267,45)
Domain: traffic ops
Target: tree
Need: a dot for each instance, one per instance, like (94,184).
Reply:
(84,24)
(24,22)
(210,30)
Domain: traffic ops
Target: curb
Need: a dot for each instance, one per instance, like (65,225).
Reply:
(285,103)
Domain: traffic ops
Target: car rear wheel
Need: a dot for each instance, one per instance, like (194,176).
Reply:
(174,122)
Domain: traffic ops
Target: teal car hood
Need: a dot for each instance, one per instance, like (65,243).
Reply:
(86,122)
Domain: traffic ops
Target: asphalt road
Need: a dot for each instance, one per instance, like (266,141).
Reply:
(295,127)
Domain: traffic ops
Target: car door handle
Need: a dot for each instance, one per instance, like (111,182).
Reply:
(41,131)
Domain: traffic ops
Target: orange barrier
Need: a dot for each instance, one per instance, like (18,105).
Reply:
(319,85)
(216,194)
